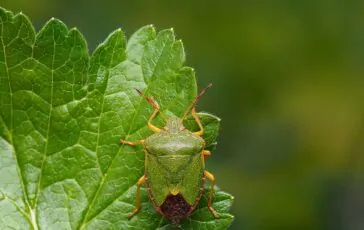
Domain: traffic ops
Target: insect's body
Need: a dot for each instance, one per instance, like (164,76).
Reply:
(174,166)
(174,170)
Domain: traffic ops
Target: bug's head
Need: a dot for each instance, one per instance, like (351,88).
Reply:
(194,103)
(174,125)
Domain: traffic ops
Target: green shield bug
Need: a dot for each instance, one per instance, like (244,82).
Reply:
(174,166)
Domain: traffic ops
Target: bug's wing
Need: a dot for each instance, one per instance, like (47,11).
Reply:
(192,181)
(156,180)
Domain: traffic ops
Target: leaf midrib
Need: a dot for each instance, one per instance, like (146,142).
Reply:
(84,220)
(48,126)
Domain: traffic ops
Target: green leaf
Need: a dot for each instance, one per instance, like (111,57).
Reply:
(63,113)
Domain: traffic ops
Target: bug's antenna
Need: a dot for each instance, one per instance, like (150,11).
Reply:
(151,101)
(195,102)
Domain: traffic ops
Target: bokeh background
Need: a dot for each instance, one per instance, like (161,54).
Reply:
(288,84)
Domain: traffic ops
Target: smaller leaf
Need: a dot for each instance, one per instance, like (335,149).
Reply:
(211,126)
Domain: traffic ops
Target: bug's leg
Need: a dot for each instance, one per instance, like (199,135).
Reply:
(131,143)
(206,153)
(198,121)
(209,204)
(137,208)
(156,110)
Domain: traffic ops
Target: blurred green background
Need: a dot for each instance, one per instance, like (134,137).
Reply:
(288,84)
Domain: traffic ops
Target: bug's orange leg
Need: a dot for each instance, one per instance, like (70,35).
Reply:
(205,153)
(131,143)
(137,208)
(156,110)
(209,204)
(198,121)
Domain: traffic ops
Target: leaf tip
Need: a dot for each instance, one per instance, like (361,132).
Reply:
(76,32)
(54,21)
(179,42)
(151,27)
(231,197)
(171,30)
(117,32)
